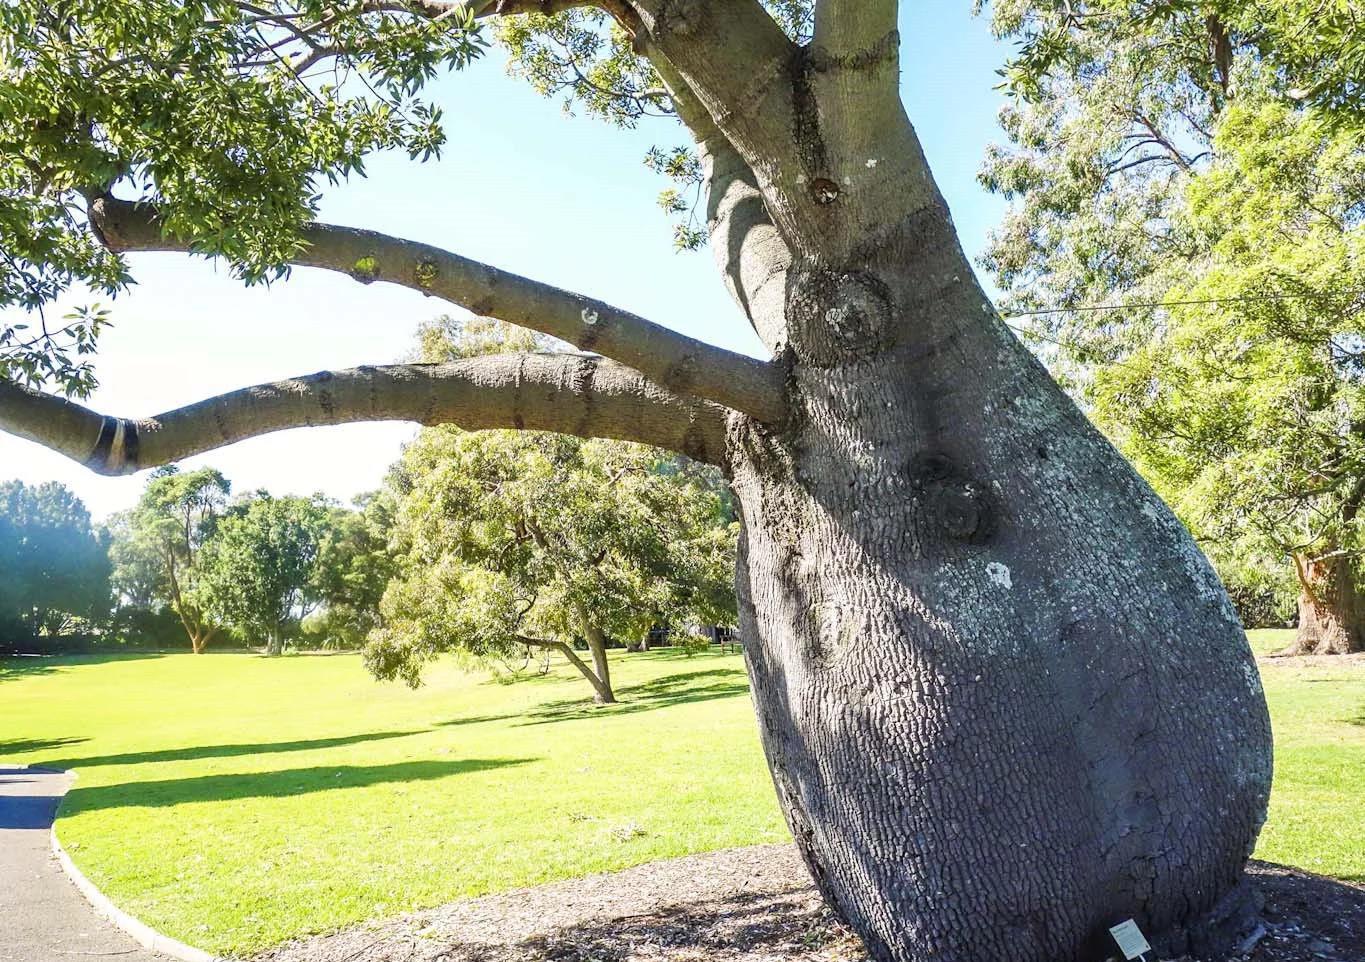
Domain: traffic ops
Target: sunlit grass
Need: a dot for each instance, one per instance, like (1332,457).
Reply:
(1317,810)
(235,802)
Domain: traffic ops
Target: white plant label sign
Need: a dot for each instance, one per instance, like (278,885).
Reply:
(1131,942)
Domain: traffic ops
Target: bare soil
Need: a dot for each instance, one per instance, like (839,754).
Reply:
(745,905)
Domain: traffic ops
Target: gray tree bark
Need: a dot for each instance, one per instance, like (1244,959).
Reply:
(597,644)
(1005,700)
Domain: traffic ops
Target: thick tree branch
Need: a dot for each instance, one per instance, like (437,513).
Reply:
(567,393)
(678,363)
(821,127)
(748,248)
(854,30)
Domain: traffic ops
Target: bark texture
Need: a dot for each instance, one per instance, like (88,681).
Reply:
(1329,608)
(1005,700)
(597,644)
(572,394)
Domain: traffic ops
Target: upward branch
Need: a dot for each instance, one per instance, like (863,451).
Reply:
(566,393)
(676,362)
(822,127)
(853,28)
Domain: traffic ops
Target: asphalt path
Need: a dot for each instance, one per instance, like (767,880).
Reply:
(43,918)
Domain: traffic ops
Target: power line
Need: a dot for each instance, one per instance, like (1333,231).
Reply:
(1209,300)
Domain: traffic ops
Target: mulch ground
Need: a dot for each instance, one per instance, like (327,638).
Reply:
(744,905)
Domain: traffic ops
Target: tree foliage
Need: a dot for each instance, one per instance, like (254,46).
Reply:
(55,563)
(1173,157)
(507,539)
(259,572)
(228,115)
(353,570)
(158,546)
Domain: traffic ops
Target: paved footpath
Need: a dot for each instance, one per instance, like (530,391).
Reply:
(43,918)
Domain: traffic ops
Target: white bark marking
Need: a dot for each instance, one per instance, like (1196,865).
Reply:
(590,316)
(1000,574)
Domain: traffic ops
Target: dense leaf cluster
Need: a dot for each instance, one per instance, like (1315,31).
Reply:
(54,562)
(228,115)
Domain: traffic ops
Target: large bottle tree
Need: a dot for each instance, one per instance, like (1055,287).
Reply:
(1005,701)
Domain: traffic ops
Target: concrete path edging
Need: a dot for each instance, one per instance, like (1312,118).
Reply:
(142,933)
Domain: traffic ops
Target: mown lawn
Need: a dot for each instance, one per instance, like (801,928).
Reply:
(235,802)
(1317,808)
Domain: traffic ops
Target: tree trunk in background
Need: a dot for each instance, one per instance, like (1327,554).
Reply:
(1329,608)
(597,644)
(1005,701)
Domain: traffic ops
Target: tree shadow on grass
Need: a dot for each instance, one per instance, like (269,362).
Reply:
(22,746)
(221,751)
(681,689)
(30,812)
(17,667)
(286,783)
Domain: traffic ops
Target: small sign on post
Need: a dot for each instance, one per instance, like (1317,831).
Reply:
(1131,942)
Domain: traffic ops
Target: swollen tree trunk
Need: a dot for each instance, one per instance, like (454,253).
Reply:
(1005,701)
(1329,608)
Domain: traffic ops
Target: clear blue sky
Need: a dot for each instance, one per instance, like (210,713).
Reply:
(520,185)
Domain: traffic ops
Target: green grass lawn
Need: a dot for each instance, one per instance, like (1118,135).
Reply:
(1317,808)
(234,802)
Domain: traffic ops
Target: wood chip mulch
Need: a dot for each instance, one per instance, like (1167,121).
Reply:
(744,905)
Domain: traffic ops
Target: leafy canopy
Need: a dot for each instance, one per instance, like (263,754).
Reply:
(1173,155)
(259,570)
(229,116)
(54,562)
(158,546)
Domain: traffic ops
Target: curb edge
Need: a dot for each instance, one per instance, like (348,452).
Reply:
(141,932)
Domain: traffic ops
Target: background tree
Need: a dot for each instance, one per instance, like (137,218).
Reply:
(509,540)
(353,569)
(157,549)
(55,564)
(1198,176)
(952,589)
(258,574)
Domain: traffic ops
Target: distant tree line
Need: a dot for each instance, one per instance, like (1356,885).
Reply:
(188,566)
(496,545)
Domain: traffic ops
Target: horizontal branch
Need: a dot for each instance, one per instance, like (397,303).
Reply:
(676,362)
(566,393)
